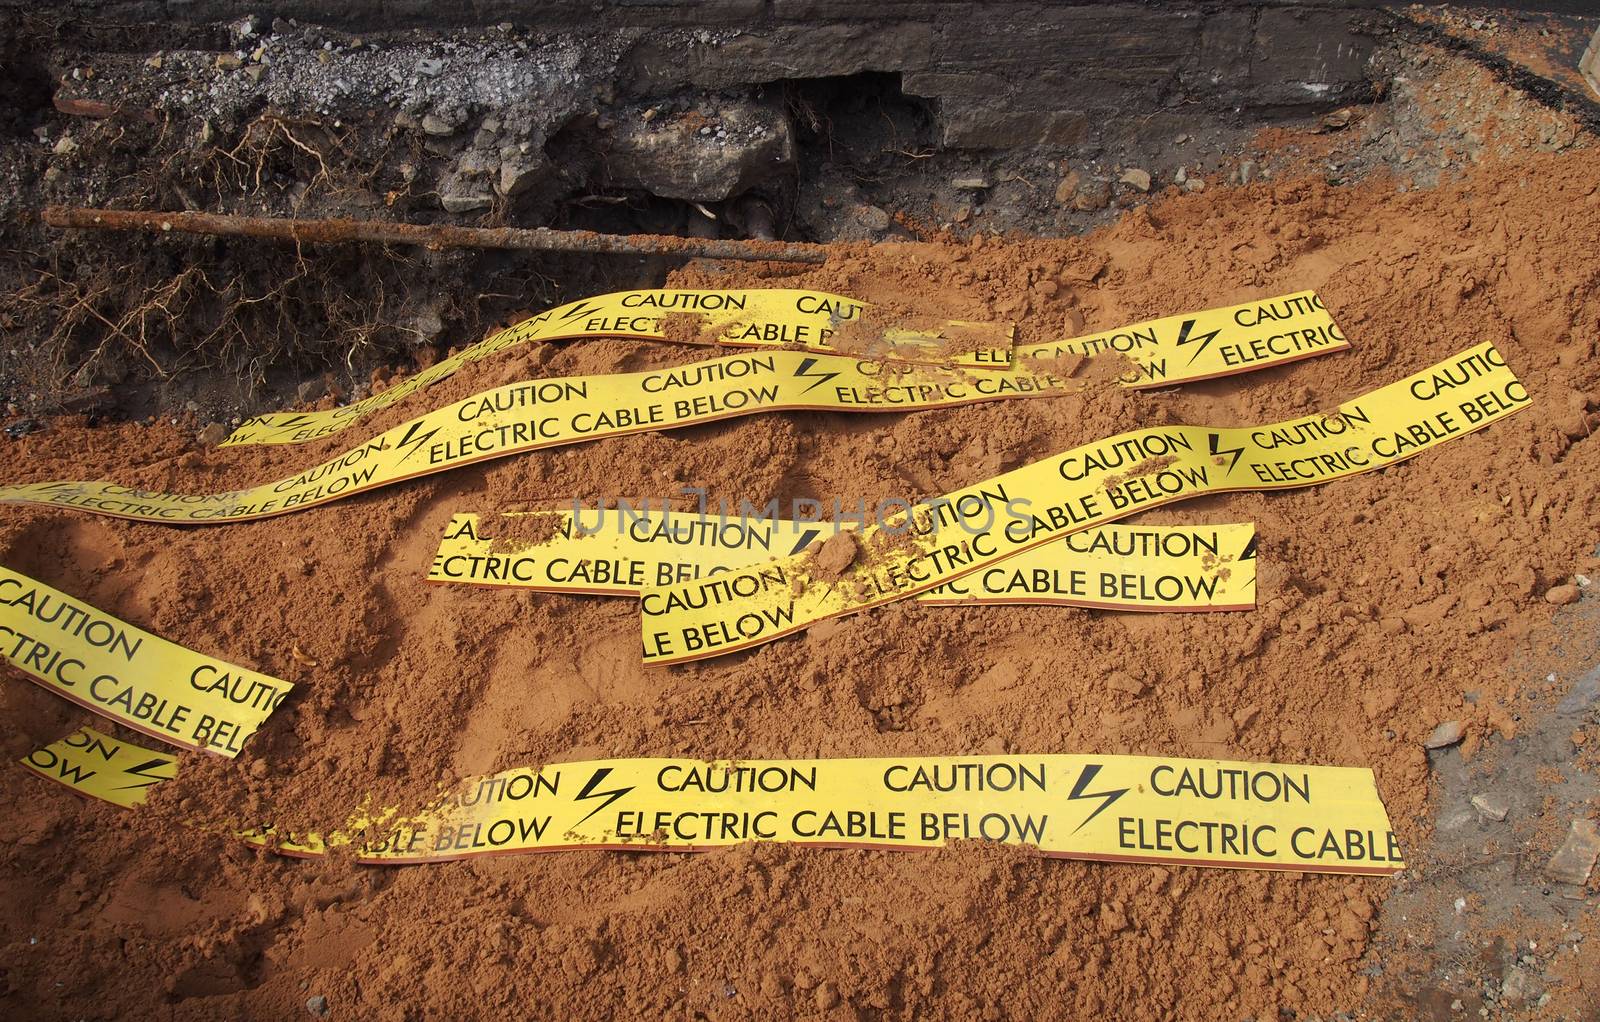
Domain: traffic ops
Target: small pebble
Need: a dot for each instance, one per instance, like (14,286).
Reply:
(1445,735)
(1562,595)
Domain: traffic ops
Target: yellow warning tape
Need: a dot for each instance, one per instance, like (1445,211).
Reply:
(764,318)
(128,675)
(1148,809)
(537,414)
(1162,352)
(613,552)
(980,525)
(103,767)
(1112,808)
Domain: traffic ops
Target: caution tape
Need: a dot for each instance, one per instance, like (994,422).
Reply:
(1164,568)
(128,675)
(102,767)
(1160,352)
(538,414)
(618,552)
(1195,346)
(764,318)
(1135,809)
(1111,809)
(978,526)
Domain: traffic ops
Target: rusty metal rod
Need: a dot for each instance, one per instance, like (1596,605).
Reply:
(540,239)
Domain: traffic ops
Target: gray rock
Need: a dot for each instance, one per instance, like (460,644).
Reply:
(517,177)
(1574,860)
(1492,807)
(474,162)
(672,156)
(465,202)
(1517,986)
(439,124)
(318,1006)
(1445,735)
(1139,179)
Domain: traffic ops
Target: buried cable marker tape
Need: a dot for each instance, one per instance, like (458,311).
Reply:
(1161,352)
(128,675)
(620,553)
(1053,498)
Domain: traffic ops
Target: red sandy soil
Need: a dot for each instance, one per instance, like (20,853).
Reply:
(1383,599)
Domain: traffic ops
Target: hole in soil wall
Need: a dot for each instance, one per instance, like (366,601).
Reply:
(859,121)
(25,92)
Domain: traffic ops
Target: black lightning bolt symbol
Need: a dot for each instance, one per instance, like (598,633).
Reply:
(805,373)
(1218,451)
(609,796)
(1249,550)
(1200,339)
(412,438)
(138,770)
(576,310)
(805,540)
(293,420)
(1084,780)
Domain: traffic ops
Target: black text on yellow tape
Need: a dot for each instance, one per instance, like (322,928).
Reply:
(1162,352)
(102,767)
(1109,808)
(545,413)
(129,675)
(980,525)
(763,318)
(549,413)
(1205,345)
(621,552)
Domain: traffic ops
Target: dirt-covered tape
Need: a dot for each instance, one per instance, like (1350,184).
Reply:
(537,414)
(1206,345)
(1161,352)
(764,318)
(617,552)
(102,767)
(981,525)
(1148,809)
(128,675)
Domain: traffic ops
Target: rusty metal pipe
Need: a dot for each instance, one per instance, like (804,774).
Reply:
(434,236)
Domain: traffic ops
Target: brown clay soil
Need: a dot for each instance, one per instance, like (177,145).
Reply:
(1384,600)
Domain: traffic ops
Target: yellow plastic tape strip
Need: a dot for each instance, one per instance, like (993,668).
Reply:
(537,414)
(128,675)
(1162,352)
(1108,808)
(1154,568)
(1116,567)
(102,767)
(981,525)
(1205,345)
(766,318)
(1147,809)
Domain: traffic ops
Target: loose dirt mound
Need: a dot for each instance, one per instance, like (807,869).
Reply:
(1383,599)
